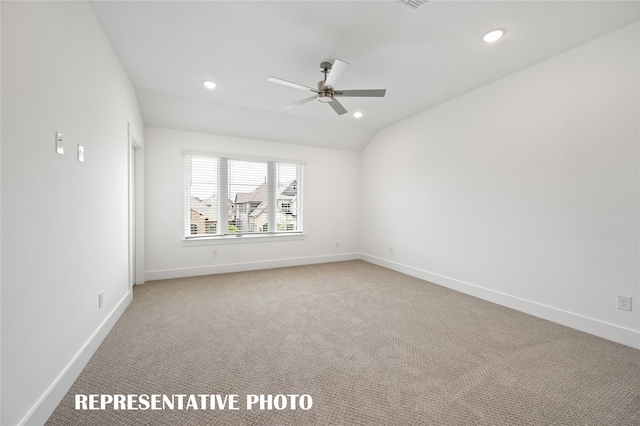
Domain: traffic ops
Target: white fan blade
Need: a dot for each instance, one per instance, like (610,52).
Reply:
(304,101)
(337,71)
(290,84)
(337,107)
(374,93)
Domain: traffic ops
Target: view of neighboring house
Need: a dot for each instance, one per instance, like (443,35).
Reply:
(250,209)
(204,216)
(245,205)
(248,212)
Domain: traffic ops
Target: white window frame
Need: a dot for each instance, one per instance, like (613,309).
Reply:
(222,188)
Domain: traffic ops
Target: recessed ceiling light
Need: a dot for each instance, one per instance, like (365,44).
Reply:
(494,35)
(209,84)
(358,114)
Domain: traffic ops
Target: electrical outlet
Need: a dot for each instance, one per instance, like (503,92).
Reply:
(337,245)
(100,300)
(59,146)
(215,253)
(80,153)
(390,250)
(624,302)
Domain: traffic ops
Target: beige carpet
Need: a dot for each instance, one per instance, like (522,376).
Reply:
(371,346)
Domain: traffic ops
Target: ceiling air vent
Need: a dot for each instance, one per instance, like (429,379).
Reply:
(414,3)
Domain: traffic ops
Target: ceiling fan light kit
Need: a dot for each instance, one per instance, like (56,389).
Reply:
(325,91)
(325,97)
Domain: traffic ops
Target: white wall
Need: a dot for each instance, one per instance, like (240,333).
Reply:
(330,207)
(64,223)
(524,192)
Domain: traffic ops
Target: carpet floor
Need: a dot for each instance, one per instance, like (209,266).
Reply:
(369,345)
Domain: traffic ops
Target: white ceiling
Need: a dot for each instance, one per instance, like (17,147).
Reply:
(423,57)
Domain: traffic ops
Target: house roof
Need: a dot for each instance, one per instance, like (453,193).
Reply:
(258,195)
(258,210)
(207,208)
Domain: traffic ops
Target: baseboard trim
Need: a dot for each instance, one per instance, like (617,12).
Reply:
(247,266)
(44,407)
(598,328)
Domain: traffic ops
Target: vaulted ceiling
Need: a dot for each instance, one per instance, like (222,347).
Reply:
(423,57)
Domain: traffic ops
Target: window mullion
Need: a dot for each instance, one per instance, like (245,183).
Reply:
(223,198)
(272,183)
(299,197)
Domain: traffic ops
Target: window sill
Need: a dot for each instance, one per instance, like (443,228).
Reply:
(233,239)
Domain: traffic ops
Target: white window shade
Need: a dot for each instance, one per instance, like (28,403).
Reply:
(248,193)
(202,201)
(288,197)
(226,196)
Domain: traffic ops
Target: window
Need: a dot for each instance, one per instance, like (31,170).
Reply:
(227,196)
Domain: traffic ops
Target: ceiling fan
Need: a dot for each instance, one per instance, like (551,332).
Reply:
(326,91)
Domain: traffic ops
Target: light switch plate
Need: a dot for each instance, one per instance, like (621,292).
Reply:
(59,146)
